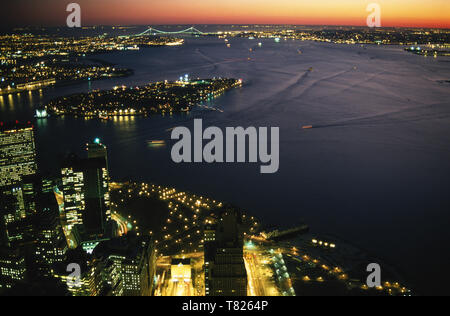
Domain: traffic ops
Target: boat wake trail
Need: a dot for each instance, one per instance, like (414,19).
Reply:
(211,61)
(439,111)
(296,90)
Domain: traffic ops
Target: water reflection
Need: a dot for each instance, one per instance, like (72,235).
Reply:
(42,123)
(21,106)
(10,101)
(123,119)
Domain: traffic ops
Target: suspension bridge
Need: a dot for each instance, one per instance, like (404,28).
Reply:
(189,31)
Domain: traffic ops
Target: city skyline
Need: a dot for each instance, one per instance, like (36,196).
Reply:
(240,148)
(417,13)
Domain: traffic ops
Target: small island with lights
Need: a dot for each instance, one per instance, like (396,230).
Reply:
(155,98)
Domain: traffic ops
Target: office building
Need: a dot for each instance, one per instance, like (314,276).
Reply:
(128,265)
(12,268)
(17,152)
(84,284)
(97,150)
(17,159)
(51,245)
(225,273)
(32,187)
(85,187)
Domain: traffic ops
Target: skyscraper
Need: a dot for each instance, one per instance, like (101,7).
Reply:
(50,243)
(86,194)
(20,192)
(85,187)
(97,195)
(97,150)
(73,192)
(225,273)
(127,265)
(17,159)
(33,186)
(17,152)
(85,285)
(38,235)
(12,267)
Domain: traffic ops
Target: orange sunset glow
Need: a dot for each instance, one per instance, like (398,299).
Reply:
(403,13)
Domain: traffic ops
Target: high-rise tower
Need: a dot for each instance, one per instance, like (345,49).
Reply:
(17,160)
(225,273)
(17,152)
(85,186)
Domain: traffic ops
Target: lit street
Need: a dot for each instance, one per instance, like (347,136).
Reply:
(259,274)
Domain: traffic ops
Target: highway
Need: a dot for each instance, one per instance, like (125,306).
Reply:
(121,222)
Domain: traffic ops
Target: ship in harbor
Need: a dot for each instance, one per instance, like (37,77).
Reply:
(41,113)
(279,235)
(156,143)
(103,117)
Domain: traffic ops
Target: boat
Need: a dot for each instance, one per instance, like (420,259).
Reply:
(277,235)
(209,108)
(103,117)
(156,142)
(41,113)
(307,127)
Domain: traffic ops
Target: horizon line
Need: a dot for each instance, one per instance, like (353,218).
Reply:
(230,24)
